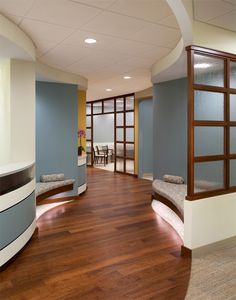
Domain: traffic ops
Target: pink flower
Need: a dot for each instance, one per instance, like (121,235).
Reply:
(81,133)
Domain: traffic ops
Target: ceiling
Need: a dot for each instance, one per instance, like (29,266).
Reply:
(131,35)
(221,13)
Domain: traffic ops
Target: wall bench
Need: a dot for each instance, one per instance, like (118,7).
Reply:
(170,194)
(47,189)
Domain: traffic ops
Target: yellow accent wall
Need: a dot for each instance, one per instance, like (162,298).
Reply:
(82,113)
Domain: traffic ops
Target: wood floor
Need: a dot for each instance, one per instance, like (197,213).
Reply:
(109,244)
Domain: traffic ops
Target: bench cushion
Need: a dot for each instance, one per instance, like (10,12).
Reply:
(52,177)
(175,193)
(43,187)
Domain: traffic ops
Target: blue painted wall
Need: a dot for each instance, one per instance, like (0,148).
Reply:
(170,128)
(145,137)
(56,130)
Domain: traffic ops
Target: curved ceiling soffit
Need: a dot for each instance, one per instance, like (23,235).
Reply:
(51,74)
(15,43)
(173,65)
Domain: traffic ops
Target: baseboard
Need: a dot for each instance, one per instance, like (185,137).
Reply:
(186,252)
(202,251)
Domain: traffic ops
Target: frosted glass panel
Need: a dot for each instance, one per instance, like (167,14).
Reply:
(119,104)
(130,103)
(129,134)
(119,134)
(233,172)
(208,176)
(208,106)
(208,141)
(103,128)
(130,150)
(88,146)
(233,74)
(129,166)
(233,140)
(88,109)
(129,119)
(89,159)
(119,149)
(88,121)
(208,70)
(232,107)
(120,164)
(88,134)
(120,119)
(97,107)
(109,106)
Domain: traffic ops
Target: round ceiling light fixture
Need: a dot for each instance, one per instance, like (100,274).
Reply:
(90,41)
(127,77)
(108,90)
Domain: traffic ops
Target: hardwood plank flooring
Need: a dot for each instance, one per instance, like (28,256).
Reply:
(109,244)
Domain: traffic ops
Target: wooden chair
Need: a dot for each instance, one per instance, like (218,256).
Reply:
(99,155)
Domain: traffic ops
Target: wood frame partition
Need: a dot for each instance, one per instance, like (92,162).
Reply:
(117,111)
(226,90)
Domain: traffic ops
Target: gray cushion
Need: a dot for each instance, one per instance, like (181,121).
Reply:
(43,187)
(173,179)
(175,193)
(52,177)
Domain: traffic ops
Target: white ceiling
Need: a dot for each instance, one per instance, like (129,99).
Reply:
(221,13)
(131,35)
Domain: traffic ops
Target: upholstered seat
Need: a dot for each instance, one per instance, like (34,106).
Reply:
(175,193)
(43,187)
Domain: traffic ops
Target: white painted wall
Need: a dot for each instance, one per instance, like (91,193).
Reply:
(22,111)
(4,111)
(209,220)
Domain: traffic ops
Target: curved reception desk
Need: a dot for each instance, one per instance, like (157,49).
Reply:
(17,208)
(82,176)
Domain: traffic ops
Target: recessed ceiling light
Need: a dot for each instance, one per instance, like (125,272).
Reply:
(202,66)
(90,41)
(127,77)
(108,90)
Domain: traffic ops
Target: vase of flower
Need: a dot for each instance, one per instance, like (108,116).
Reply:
(81,135)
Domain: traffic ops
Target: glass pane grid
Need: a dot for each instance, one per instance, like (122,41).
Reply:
(208,70)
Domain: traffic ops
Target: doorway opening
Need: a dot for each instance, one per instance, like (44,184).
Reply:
(110,133)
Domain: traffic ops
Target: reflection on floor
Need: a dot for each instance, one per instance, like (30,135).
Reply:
(213,276)
(41,209)
(110,167)
(107,167)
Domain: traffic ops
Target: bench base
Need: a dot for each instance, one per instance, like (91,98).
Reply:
(168,203)
(52,192)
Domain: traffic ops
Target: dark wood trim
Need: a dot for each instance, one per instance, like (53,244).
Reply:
(124,111)
(209,88)
(208,51)
(190,72)
(226,123)
(210,194)
(186,252)
(209,123)
(167,202)
(55,191)
(200,159)
(110,98)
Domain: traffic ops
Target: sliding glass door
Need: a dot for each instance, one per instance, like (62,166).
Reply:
(122,108)
(124,135)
